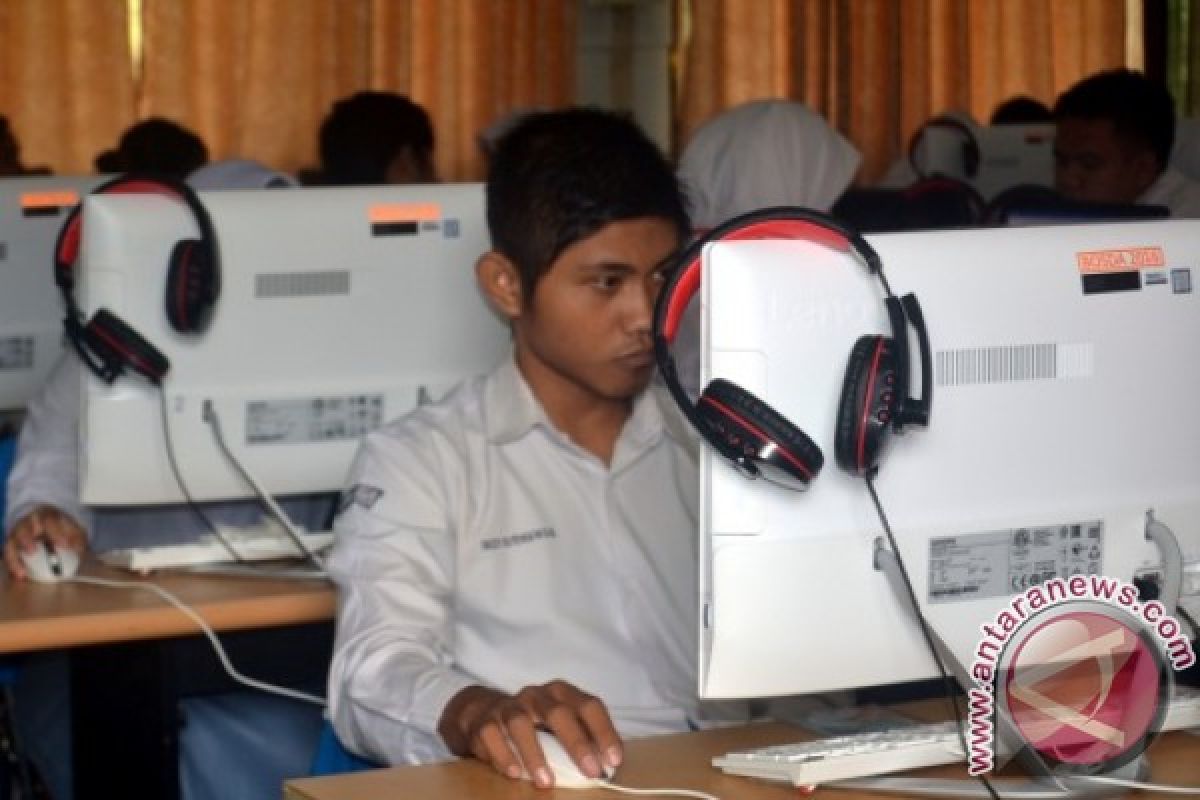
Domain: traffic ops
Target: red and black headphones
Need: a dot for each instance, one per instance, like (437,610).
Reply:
(875,396)
(106,343)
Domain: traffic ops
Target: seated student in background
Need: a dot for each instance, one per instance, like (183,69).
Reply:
(523,553)
(155,146)
(373,138)
(1021,109)
(235,745)
(1114,132)
(765,153)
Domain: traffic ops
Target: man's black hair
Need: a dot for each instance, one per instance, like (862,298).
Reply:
(158,146)
(1141,109)
(559,176)
(365,131)
(1020,110)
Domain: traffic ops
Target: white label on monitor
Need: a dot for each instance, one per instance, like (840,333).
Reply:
(16,352)
(296,420)
(1002,563)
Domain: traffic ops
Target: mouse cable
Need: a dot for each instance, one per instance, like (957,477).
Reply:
(222,656)
(923,623)
(214,422)
(196,508)
(616,787)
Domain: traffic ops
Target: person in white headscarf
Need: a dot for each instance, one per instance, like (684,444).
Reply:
(765,153)
(238,173)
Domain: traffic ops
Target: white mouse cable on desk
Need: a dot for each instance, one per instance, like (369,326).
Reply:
(284,691)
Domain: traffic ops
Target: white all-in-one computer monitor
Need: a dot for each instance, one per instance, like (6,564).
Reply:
(339,309)
(32,210)
(991,159)
(1065,377)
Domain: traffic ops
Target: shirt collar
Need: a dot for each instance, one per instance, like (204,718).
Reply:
(512,410)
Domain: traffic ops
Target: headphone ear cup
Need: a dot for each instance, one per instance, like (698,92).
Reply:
(867,407)
(117,345)
(748,431)
(192,286)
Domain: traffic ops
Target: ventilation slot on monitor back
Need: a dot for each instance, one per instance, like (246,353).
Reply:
(302,284)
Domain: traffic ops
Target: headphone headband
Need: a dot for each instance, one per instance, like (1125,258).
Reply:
(105,343)
(756,438)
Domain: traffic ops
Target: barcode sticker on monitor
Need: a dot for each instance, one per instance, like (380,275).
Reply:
(295,420)
(1011,363)
(16,353)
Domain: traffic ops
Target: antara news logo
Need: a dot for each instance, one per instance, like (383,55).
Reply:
(1077,670)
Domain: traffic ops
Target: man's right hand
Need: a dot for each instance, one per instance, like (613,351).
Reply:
(501,729)
(44,521)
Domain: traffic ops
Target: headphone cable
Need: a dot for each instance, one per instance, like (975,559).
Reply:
(926,633)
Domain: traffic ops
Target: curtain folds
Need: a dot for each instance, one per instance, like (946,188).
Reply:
(255,77)
(878,68)
(65,78)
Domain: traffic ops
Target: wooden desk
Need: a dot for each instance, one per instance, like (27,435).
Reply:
(128,644)
(680,761)
(39,616)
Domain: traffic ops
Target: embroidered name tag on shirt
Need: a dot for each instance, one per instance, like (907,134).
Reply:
(501,542)
(360,495)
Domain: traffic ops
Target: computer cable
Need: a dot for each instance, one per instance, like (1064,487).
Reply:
(195,507)
(1192,791)
(655,792)
(923,624)
(189,612)
(214,422)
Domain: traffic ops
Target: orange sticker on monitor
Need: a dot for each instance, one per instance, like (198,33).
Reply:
(384,213)
(55,199)
(1123,259)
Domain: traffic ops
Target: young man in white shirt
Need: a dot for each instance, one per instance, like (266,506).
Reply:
(522,555)
(1113,136)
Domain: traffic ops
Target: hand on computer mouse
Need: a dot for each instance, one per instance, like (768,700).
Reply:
(502,730)
(45,564)
(64,534)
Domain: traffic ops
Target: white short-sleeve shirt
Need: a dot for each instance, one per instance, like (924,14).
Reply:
(478,545)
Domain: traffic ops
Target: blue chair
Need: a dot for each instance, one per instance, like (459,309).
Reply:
(12,759)
(332,757)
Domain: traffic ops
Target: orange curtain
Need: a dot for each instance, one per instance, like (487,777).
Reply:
(65,80)
(878,68)
(255,77)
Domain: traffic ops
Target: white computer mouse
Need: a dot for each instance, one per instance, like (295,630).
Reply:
(47,564)
(566,774)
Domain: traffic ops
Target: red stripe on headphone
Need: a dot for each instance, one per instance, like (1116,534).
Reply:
(142,364)
(182,282)
(746,423)
(866,413)
(689,280)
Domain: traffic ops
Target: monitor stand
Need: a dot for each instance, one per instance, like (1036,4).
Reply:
(1042,783)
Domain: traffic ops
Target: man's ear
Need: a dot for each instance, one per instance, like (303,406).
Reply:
(1145,169)
(500,283)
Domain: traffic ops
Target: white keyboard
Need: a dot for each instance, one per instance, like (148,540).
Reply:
(262,543)
(853,756)
(862,755)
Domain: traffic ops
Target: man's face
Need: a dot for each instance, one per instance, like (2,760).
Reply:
(1093,164)
(587,327)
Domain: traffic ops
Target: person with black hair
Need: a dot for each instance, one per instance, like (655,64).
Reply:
(155,146)
(10,154)
(522,554)
(1114,132)
(374,138)
(1020,109)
